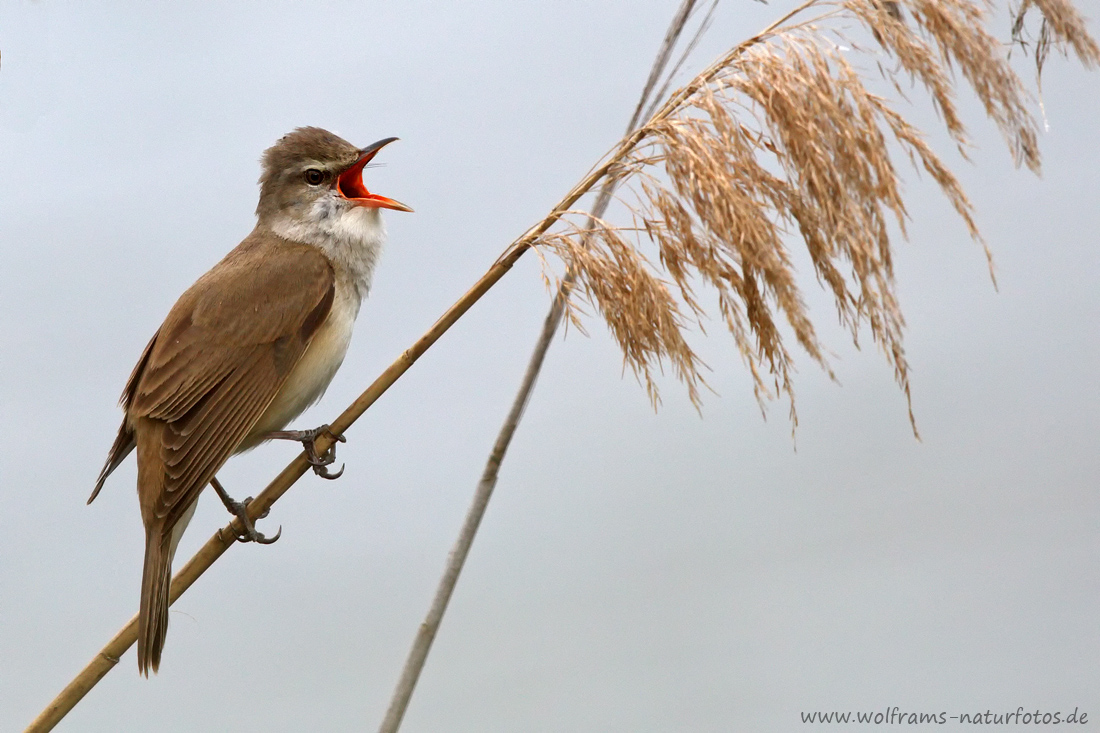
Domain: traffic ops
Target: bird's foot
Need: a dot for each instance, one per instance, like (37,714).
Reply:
(239,509)
(308,440)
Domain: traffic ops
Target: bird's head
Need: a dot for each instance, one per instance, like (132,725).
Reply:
(313,178)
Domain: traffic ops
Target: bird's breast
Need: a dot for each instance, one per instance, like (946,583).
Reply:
(311,376)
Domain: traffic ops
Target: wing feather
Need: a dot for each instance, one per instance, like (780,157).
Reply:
(221,357)
(225,424)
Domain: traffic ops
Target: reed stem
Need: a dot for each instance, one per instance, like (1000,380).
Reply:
(456,559)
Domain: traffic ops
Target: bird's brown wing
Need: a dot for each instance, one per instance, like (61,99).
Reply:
(124,442)
(217,362)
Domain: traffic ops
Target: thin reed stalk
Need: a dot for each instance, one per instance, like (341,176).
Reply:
(778,139)
(456,559)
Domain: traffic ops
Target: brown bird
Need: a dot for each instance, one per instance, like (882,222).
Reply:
(251,344)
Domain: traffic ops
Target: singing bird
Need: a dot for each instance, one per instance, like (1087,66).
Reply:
(248,347)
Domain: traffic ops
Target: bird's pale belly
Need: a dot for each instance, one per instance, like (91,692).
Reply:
(312,374)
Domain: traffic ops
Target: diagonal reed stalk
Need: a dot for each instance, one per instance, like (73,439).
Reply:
(806,156)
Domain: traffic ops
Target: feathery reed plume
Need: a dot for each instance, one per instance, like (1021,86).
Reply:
(1060,25)
(783,140)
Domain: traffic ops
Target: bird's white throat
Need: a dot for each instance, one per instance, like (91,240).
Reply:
(351,236)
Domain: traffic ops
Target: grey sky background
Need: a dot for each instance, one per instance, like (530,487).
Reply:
(636,571)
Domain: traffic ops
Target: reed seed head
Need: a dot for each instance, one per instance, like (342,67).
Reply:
(783,143)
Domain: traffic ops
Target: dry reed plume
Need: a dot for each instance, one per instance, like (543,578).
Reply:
(779,139)
(1061,26)
(784,140)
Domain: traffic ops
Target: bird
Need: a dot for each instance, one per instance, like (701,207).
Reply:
(249,346)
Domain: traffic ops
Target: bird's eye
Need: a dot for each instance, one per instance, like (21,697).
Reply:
(314,176)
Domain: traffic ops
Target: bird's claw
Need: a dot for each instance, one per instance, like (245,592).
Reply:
(323,471)
(308,438)
(250,533)
(239,509)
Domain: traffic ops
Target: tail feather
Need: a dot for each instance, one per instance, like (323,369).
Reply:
(156,580)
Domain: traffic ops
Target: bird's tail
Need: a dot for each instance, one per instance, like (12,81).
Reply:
(156,579)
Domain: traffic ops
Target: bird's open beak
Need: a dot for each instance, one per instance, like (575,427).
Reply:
(350,183)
